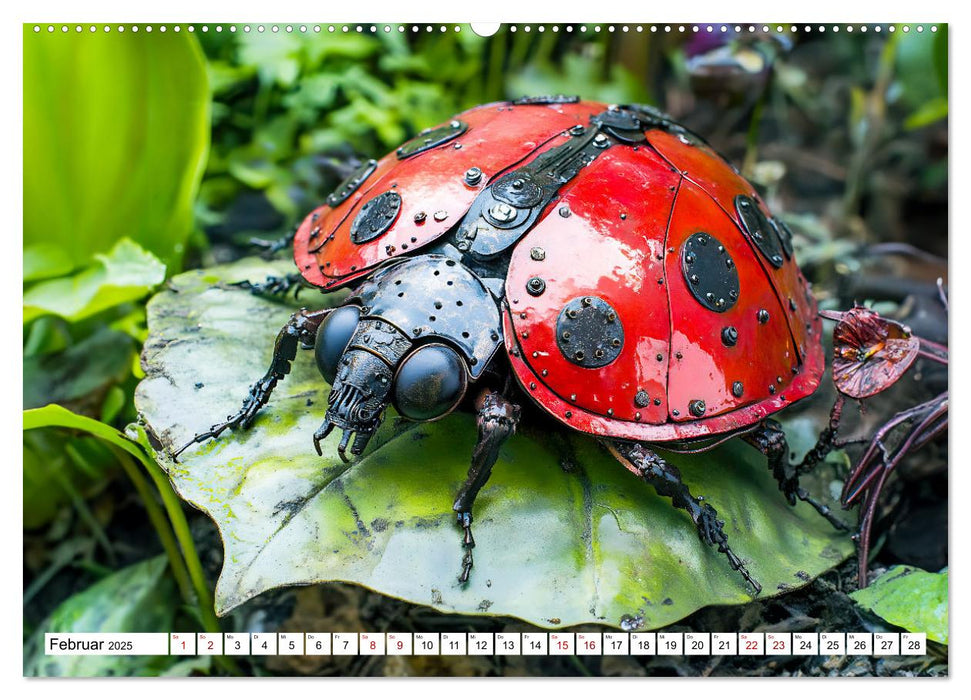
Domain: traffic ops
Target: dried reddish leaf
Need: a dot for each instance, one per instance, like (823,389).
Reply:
(870,352)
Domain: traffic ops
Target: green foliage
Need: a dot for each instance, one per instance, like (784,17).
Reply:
(115,136)
(291,109)
(921,73)
(116,131)
(135,599)
(126,273)
(911,598)
(590,543)
(59,470)
(57,416)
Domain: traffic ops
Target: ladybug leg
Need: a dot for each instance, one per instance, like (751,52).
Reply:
(270,247)
(274,286)
(666,480)
(301,329)
(770,440)
(497,420)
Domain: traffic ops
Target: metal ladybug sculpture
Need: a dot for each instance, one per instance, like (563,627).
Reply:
(627,277)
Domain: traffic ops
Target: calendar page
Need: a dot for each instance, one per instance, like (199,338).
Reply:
(544,349)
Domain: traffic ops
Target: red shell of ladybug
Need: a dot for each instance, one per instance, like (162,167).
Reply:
(653,297)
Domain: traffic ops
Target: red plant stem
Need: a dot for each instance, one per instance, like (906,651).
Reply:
(931,356)
(866,525)
(931,344)
(876,443)
(915,438)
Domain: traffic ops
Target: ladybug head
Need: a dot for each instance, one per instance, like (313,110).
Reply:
(370,363)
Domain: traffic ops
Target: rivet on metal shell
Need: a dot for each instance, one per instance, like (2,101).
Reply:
(537,254)
(729,336)
(762,316)
(771,388)
(697,408)
(473,176)
(600,141)
(565,211)
(441,215)
(535,286)
(502,212)
(738,389)
(577,130)
(420,217)
(641,399)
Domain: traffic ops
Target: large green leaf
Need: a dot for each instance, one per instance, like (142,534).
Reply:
(126,273)
(910,598)
(139,598)
(556,546)
(85,369)
(116,129)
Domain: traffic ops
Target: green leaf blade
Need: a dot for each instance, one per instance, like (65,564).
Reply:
(116,134)
(138,598)
(911,598)
(555,546)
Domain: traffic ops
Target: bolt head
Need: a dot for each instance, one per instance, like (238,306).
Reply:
(503,212)
(697,408)
(473,176)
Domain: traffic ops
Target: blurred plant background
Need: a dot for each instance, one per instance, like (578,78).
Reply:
(146,154)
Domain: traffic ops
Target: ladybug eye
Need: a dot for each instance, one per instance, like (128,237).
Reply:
(332,338)
(430,383)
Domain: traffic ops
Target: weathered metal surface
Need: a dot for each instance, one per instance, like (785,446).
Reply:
(582,198)
(510,206)
(376,216)
(622,124)
(435,193)
(785,236)
(430,138)
(430,382)
(589,332)
(711,349)
(701,165)
(352,182)
(609,247)
(710,272)
(757,226)
(431,296)
(547,100)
